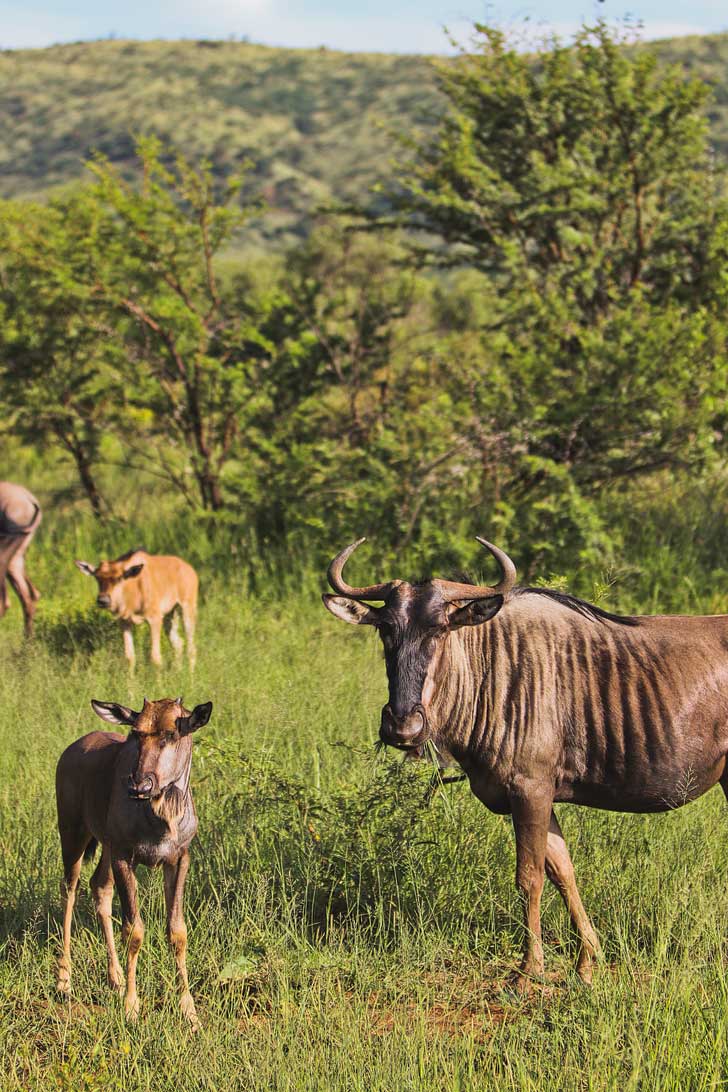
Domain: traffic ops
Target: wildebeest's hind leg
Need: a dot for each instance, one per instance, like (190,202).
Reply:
(8,546)
(22,587)
(73,844)
(560,871)
(102,890)
(531,812)
(174,884)
(189,618)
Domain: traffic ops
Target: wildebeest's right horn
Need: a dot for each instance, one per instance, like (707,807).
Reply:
(374,591)
(452,591)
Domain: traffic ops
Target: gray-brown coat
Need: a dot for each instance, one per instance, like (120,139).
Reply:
(543,698)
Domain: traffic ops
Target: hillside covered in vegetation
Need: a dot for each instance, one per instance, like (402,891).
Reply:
(315,125)
(312,123)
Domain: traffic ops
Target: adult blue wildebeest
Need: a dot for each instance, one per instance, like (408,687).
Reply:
(543,698)
(19,518)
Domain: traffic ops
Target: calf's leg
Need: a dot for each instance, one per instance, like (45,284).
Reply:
(102,890)
(189,618)
(174,885)
(73,843)
(132,930)
(171,624)
(531,811)
(155,627)
(128,643)
(560,871)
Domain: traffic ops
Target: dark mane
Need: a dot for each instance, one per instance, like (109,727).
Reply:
(587,610)
(129,553)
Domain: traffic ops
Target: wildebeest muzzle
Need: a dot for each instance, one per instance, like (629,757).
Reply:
(407,732)
(142,790)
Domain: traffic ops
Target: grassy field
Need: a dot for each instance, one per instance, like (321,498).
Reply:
(344,934)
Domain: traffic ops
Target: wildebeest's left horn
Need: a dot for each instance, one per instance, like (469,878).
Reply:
(452,591)
(374,591)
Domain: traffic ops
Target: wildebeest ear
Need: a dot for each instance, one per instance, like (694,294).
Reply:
(350,610)
(86,568)
(480,610)
(197,719)
(133,571)
(113,713)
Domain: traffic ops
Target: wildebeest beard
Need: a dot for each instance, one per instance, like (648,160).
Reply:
(170,806)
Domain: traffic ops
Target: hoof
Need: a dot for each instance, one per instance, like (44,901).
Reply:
(131,1010)
(187,1007)
(63,978)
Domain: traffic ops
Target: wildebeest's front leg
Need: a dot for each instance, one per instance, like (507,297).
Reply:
(132,930)
(531,812)
(174,885)
(102,889)
(560,871)
(128,643)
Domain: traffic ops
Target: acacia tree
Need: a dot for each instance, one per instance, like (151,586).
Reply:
(191,351)
(59,376)
(581,182)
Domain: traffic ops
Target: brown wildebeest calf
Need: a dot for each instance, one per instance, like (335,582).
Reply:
(131,795)
(544,698)
(19,518)
(140,587)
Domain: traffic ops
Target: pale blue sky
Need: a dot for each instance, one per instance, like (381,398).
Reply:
(403,26)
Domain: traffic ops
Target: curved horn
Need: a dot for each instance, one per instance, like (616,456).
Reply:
(335,579)
(452,591)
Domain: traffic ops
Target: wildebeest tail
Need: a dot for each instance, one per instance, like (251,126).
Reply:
(90,850)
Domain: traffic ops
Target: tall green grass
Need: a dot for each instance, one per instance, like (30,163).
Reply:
(343,934)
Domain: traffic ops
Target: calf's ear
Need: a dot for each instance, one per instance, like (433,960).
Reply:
(350,610)
(86,568)
(133,571)
(477,612)
(113,713)
(197,719)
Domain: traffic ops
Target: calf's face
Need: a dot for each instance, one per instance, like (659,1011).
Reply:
(110,577)
(161,736)
(414,625)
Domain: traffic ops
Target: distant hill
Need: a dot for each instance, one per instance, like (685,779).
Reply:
(312,122)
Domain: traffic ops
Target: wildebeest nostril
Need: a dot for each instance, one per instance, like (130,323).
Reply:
(140,788)
(404,727)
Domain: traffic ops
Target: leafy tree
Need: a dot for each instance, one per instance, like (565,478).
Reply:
(191,349)
(59,358)
(581,183)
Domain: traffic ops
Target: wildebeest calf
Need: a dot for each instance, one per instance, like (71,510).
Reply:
(131,795)
(140,587)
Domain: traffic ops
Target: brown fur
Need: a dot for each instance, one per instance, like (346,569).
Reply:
(141,587)
(131,795)
(20,516)
(542,698)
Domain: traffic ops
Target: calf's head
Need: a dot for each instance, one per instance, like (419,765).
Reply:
(161,737)
(414,624)
(110,577)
